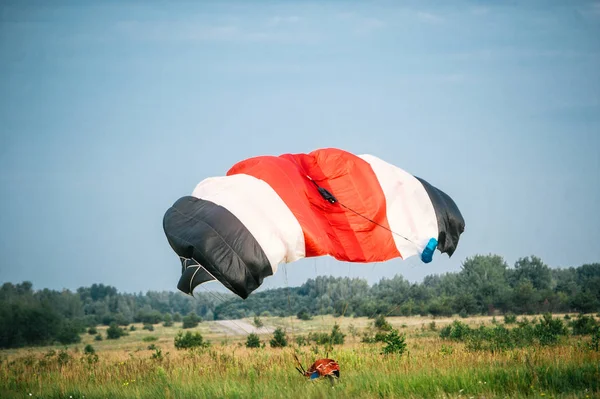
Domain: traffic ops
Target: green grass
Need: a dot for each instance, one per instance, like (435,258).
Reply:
(430,368)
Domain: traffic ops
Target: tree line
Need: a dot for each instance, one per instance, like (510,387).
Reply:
(486,284)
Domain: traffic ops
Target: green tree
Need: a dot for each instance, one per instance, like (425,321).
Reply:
(381,323)
(394,343)
(337,336)
(531,269)
(279,339)
(484,277)
(190,340)
(304,315)
(191,320)
(252,341)
(114,331)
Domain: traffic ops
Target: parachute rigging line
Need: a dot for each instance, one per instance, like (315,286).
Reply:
(329,197)
(215,295)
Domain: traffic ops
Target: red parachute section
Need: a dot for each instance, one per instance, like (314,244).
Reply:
(345,232)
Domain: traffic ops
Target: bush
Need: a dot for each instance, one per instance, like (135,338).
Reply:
(191,320)
(320,338)
(252,341)
(457,331)
(68,333)
(92,330)
(549,330)
(279,339)
(382,324)
(189,340)
(394,343)
(168,320)
(546,331)
(337,337)
(114,331)
(304,315)
(583,325)
(595,342)
(510,318)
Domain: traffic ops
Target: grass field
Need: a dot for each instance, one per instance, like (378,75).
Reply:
(430,368)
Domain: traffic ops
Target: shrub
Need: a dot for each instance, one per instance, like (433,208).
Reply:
(337,337)
(114,331)
(320,338)
(394,343)
(549,330)
(279,339)
(191,320)
(252,341)
(583,325)
(68,333)
(168,320)
(510,318)
(189,340)
(382,324)
(595,343)
(304,315)
(457,331)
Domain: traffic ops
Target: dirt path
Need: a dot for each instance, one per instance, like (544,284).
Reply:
(239,327)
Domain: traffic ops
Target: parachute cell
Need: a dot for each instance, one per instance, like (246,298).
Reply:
(269,210)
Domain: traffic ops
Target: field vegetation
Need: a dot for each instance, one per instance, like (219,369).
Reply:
(489,330)
(535,356)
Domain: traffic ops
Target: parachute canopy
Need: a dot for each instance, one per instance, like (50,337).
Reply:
(269,210)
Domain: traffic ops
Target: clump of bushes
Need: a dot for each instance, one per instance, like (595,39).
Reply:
(382,324)
(336,337)
(191,320)
(190,340)
(546,331)
(394,343)
(304,315)
(510,318)
(378,331)
(115,332)
(583,325)
(279,339)
(252,341)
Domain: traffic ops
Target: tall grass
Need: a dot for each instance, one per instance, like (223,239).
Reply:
(430,367)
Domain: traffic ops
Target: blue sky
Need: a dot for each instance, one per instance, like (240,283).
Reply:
(112,110)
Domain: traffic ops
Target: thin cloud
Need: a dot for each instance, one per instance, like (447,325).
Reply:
(591,11)
(279,20)
(479,10)
(372,23)
(429,17)
(190,31)
(345,15)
